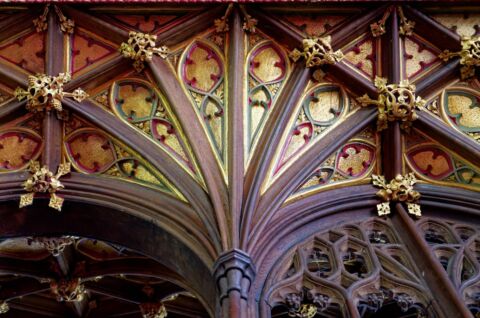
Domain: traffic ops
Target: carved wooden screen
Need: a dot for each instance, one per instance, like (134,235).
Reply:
(309,137)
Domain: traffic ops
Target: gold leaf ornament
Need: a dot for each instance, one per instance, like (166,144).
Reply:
(400,189)
(141,47)
(395,102)
(469,56)
(42,180)
(317,52)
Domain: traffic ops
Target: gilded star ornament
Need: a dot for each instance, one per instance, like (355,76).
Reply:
(469,56)
(141,47)
(395,102)
(400,189)
(68,290)
(317,52)
(42,180)
(45,93)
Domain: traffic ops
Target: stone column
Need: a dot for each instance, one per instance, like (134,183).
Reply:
(234,273)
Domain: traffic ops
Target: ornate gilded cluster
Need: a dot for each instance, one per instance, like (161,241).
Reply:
(316,52)
(41,24)
(68,290)
(153,310)
(395,102)
(249,23)
(469,56)
(314,304)
(141,48)
(45,93)
(43,181)
(400,189)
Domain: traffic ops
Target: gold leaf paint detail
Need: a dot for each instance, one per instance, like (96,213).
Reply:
(265,65)
(14,150)
(469,56)
(215,122)
(326,101)
(201,69)
(426,159)
(141,47)
(464,26)
(135,101)
(172,141)
(418,56)
(93,151)
(354,160)
(362,58)
(317,52)
(458,104)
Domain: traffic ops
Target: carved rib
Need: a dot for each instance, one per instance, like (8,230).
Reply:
(12,77)
(270,137)
(236,106)
(21,287)
(454,140)
(211,172)
(14,24)
(189,26)
(151,152)
(428,85)
(52,127)
(302,168)
(433,272)
(436,33)
(99,26)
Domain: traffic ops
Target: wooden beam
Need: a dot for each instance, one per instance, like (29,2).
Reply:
(52,127)
(14,24)
(21,287)
(211,171)
(94,24)
(439,78)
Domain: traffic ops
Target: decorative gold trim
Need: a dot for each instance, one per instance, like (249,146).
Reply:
(45,93)
(395,102)
(249,23)
(54,245)
(316,52)
(469,56)
(42,181)
(378,28)
(153,310)
(400,189)
(41,23)
(141,47)
(406,26)
(68,290)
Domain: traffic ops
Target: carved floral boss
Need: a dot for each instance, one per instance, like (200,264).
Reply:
(395,102)
(44,181)
(140,47)
(45,93)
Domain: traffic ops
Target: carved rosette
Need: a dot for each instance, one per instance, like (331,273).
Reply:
(317,52)
(44,181)
(400,189)
(153,310)
(395,102)
(68,290)
(469,56)
(45,93)
(141,47)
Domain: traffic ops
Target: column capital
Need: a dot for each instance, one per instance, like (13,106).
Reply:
(234,271)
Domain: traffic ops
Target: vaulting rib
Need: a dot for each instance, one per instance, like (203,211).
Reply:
(150,152)
(169,85)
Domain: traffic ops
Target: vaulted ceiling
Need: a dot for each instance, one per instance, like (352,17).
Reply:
(225,139)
